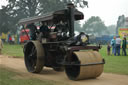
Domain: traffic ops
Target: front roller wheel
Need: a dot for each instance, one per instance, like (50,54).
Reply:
(77,72)
(34,56)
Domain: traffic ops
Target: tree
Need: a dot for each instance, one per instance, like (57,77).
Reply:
(77,26)
(120,23)
(112,29)
(94,25)
(52,5)
(4,23)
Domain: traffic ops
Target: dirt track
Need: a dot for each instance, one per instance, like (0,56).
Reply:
(47,73)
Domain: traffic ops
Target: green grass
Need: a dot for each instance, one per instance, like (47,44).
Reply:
(115,64)
(13,50)
(8,77)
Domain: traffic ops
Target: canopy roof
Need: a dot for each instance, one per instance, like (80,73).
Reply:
(53,17)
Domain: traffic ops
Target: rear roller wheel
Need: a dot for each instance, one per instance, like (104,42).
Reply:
(34,56)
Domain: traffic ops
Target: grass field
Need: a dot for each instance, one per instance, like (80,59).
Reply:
(7,77)
(114,64)
(13,50)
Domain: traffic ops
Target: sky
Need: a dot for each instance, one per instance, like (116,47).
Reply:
(3,2)
(107,10)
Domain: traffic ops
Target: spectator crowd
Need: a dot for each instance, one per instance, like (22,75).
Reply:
(117,44)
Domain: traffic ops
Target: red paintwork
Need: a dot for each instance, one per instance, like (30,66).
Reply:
(23,35)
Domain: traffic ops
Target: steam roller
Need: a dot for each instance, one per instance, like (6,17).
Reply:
(55,45)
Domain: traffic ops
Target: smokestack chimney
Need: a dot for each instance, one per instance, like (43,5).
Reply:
(71,9)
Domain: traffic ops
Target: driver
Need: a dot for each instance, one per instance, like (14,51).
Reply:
(33,31)
(44,29)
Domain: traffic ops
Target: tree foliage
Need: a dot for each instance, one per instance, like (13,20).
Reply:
(112,29)
(94,25)
(4,20)
(120,23)
(77,26)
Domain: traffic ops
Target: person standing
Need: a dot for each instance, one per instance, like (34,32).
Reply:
(1,46)
(13,40)
(108,49)
(124,46)
(118,43)
(113,44)
(10,39)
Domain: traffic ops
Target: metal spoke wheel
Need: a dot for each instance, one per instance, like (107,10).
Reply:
(34,56)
